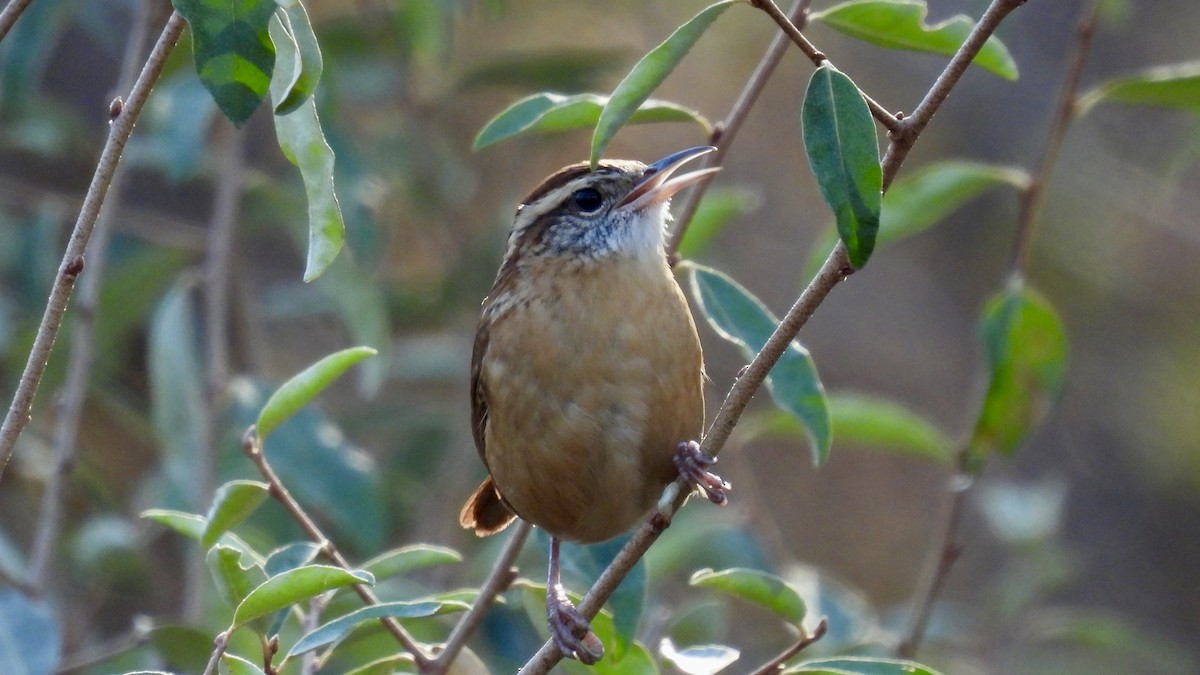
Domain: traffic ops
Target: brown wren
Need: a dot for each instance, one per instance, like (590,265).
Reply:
(587,374)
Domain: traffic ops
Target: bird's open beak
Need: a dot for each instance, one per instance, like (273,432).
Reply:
(657,186)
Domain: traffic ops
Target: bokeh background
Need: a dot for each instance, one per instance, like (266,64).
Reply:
(1098,568)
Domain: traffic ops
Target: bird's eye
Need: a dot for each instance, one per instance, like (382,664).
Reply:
(588,200)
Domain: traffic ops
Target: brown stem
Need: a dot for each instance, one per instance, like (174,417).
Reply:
(253,449)
(10,14)
(775,664)
(220,644)
(72,263)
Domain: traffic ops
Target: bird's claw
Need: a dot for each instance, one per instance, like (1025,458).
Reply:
(693,464)
(570,631)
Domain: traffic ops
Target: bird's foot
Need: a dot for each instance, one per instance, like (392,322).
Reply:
(569,630)
(693,464)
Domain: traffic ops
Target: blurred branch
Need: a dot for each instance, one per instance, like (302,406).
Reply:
(82,355)
(10,14)
(72,263)
(501,577)
(220,644)
(251,445)
(776,664)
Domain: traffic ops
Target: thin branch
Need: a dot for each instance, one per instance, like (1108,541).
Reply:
(1031,201)
(10,14)
(82,355)
(220,644)
(253,449)
(777,663)
(903,138)
(727,130)
(501,577)
(72,263)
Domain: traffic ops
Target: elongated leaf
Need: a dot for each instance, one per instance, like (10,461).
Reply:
(1171,86)
(234,580)
(839,136)
(718,207)
(233,503)
(304,387)
(303,143)
(742,319)
(1027,358)
(698,660)
(192,525)
(548,113)
(338,628)
(861,665)
(900,24)
(761,588)
(647,74)
(286,589)
(916,202)
(295,554)
(307,60)
(233,51)
(30,641)
(408,558)
(239,666)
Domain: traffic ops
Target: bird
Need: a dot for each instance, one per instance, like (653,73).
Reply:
(587,374)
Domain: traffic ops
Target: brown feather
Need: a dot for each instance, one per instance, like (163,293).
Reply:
(485,511)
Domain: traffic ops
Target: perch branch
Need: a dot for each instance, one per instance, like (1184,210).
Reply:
(776,664)
(10,14)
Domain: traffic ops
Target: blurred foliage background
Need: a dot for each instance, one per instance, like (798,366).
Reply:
(1082,553)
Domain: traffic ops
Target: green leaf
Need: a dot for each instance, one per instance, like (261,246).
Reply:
(717,208)
(916,202)
(239,666)
(742,319)
(30,641)
(292,586)
(233,51)
(305,56)
(533,599)
(305,386)
(839,136)
(861,665)
(636,661)
(647,74)
(234,580)
(900,24)
(390,665)
(761,588)
(1027,356)
(1170,86)
(699,660)
(192,526)
(291,556)
(303,143)
(338,628)
(183,649)
(408,558)
(233,503)
(547,113)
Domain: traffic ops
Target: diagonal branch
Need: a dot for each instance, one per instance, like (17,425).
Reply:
(10,14)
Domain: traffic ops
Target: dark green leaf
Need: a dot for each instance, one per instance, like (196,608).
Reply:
(1027,358)
(290,557)
(233,51)
(900,24)
(305,386)
(408,558)
(647,74)
(761,588)
(292,586)
(239,666)
(1172,86)
(305,56)
(233,503)
(234,580)
(29,638)
(742,319)
(192,526)
(547,113)
(861,665)
(699,660)
(183,649)
(839,136)
(303,143)
(338,628)
(718,207)
(920,200)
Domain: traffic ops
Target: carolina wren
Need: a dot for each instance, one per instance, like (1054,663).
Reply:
(587,374)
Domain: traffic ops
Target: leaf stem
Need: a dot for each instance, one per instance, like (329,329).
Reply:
(251,446)
(775,664)
(72,263)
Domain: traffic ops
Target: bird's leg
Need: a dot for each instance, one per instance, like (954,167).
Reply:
(693,464)
(570,631)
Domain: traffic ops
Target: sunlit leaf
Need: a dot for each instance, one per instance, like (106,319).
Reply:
(547,113)
(900,24)
(742,319)
(839,137)
(338,628)
(233,503)
(762,588)
(861,665)
(1171,86)
(647,74)
(698,660)
(305,386)
(239,666)
(1027,359)
(233,51)
(306,57)
(192,526)
(296,585)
